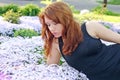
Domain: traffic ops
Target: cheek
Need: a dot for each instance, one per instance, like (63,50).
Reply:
(60,29)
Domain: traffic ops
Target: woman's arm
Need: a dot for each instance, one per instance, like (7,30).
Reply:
(54,57)
(102,32)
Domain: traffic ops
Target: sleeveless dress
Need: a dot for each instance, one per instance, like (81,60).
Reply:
(93,58)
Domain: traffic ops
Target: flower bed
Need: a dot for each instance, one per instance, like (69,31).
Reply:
(22,58)
(26,22)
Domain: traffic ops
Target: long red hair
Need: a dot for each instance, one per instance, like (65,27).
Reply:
(60,12)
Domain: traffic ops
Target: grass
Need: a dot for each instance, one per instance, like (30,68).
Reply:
(111,18)
(115,2)
(93,16)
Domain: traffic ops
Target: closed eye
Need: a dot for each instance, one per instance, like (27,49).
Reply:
(54,23)
(47,24)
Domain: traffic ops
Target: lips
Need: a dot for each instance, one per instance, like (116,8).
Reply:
(54,33)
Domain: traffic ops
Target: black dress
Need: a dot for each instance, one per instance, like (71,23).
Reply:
(95,59)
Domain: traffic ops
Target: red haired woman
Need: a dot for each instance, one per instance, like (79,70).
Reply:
(80,45)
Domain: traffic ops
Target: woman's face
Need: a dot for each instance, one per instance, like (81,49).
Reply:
(55,28)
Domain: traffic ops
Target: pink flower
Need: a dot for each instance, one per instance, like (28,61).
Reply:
(4,76)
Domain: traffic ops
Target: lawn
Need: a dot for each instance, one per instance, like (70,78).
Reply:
(92,16)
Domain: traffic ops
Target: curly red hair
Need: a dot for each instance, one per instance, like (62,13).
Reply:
(60,12)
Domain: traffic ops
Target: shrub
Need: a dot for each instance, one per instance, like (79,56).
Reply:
(115,2)
(1,11)
(8,7)
(74,10)
(25,33)
(11,16)
(104,11)
(87,17)
(30,10)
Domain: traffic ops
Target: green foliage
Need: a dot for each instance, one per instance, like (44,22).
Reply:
(108,12)
(39,50)
(104,11)
(87,17)
(74,10)
(11,16)
(8,7)
(97,10)
(25,33)
(107,27)
(113,2)
(1,11)
(61,62)
(47,2)
(30,10)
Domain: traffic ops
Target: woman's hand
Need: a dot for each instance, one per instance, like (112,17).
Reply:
(54,57)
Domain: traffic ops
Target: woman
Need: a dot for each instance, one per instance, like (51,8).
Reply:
(80,46)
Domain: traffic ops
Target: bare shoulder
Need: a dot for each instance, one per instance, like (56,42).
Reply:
(98,30)
(92,24)
(92,27)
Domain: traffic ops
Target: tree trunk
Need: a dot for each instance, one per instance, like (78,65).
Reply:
(104,3)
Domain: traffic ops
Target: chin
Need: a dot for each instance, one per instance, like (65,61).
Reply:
(57,36)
